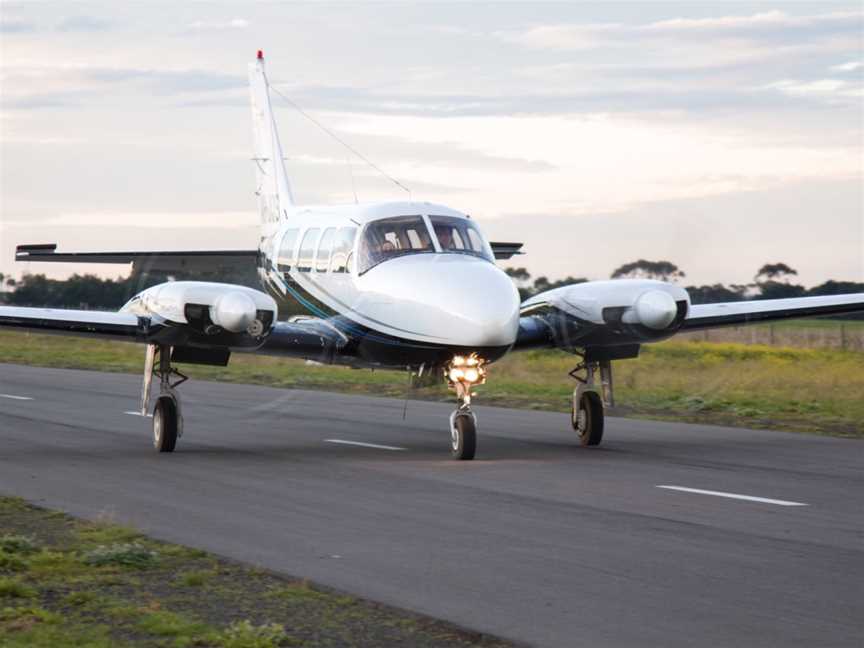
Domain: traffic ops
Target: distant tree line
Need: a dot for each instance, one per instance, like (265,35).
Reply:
(771,281)
(91,292)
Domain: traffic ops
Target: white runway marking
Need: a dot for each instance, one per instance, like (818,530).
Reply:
(131,413)
(749,498)
(13,397)
(365,445)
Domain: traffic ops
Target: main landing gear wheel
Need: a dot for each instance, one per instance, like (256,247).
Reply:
(586,416)
(587,406)
(463,430)
(165,424)
(167,417)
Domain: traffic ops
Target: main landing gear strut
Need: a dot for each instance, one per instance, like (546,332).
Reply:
(167,418)
(590,399)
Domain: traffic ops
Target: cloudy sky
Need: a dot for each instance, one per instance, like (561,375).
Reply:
(717,135)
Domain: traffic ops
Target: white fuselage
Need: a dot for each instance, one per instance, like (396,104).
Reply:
(440,297)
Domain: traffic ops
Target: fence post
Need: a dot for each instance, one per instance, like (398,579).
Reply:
(843,336)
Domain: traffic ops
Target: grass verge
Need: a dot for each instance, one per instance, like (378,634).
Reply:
(803,390)
(51,595)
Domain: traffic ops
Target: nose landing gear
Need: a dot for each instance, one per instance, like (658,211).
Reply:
(463,433)
(462,374)
(463,425)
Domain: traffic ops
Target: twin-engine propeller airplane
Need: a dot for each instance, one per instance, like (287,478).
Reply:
(409,285)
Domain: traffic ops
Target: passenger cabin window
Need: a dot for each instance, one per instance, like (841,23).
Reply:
(392,237)
(307,250)
(286,250)
(324,247)
(460,236)
(342,249)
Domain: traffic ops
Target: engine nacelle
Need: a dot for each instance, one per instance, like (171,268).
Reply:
(207,313)
(620,311)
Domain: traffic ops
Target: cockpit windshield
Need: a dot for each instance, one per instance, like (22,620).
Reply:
(460,236)
(391,237)
(388,238)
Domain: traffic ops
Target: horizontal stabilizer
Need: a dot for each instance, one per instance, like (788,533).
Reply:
(506,250)
(174,261)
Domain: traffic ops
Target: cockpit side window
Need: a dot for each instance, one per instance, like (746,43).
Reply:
(461,236)
(342,249)
(391,237)
(475,239)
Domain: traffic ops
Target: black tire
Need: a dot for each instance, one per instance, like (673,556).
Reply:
(588,419)
(463,445)
(165,424)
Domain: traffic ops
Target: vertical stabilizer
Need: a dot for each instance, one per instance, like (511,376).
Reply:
(274,192)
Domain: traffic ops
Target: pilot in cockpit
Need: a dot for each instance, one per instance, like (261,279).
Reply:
(445,237)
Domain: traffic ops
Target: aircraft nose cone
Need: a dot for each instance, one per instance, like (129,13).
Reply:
(446,299)
(656,309)
(484,309)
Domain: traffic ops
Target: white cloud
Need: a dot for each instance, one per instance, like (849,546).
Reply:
(851,66)
(562,37)
(44,83)
(160,220)
(44,140)
(82,24)
(581,36)
(773,19)
(234,23)
(13,26)
(601,162)
(820,88)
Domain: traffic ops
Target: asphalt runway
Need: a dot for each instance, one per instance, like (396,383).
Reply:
(538,540)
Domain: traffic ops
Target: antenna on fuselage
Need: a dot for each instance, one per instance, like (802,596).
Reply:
(353,184)
(369,162)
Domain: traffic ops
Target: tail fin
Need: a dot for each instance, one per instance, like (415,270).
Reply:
(274,191)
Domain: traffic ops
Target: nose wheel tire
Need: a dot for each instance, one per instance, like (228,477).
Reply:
(165,419)
(586,416)
(463,431)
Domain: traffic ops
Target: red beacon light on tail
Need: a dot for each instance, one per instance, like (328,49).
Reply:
(260,55)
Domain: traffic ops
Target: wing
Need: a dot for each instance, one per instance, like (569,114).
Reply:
(622,314)
(703,316)
(95,324)
(309,339)
(197,260)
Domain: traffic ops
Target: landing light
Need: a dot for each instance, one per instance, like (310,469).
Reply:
(466,371)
